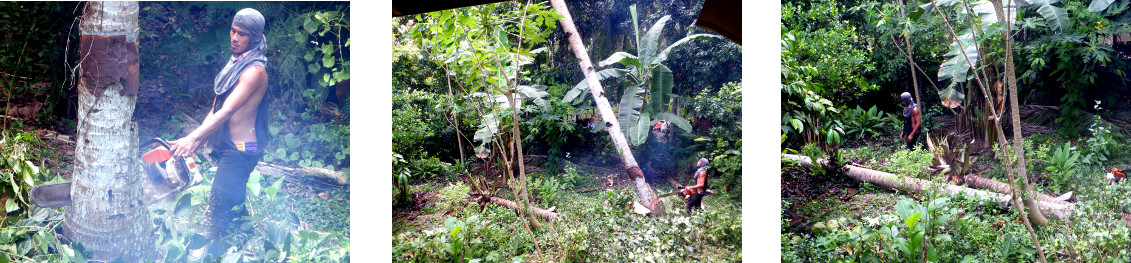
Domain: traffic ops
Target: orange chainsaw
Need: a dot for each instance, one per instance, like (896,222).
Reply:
(164,176)
(681,193)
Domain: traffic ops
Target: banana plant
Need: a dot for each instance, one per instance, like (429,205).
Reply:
(956,68)
(647,100)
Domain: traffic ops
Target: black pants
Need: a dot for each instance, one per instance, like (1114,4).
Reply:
(911,144)
(229,189)
(695,201)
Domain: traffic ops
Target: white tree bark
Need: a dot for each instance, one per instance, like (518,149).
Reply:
(612,126)
(1055,209)
(107,213)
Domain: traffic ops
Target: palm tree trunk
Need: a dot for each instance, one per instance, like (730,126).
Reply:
(1058,210)
(107,214)
(612,126)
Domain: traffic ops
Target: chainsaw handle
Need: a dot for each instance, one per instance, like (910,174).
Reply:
(180,165)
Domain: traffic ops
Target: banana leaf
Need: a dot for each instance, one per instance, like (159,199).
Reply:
(583,86)
(661,87)
(1056,17)
(648,45)
(674,119)
(638,133)
(630,103)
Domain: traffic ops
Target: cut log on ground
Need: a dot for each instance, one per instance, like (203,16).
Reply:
(310,176)
(1059,210)
(1000,187)
(547,214)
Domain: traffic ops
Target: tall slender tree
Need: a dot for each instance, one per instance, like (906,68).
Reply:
(611,125)
(107,214)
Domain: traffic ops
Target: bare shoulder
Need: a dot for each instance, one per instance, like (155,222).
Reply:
(256,74)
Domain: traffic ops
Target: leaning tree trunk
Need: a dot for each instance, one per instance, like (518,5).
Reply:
(1011,83)
(107,214)
(612,126)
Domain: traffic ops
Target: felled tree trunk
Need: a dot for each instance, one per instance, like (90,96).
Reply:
(512,205)
(1058,210)
(1000,187)
(107,214)
(612,126)
(311,176)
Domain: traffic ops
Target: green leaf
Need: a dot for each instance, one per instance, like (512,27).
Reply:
(310,25)
(621,57)
(174,252)
(231,257)
(635,26)
(951,97)
(630,103)
(674,119)
(956,66)
(328,62)
(661,82)
(1099,6)
(197,241)
(583,86)
(651,40)
(911,221)
(1056,17)
(660,58)
(638,133)
(184,204)
(253,182)
(274,188)
(10,205)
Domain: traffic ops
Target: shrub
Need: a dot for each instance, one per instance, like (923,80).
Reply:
(860,123)
(908,163)
(1062,166)
(452,198)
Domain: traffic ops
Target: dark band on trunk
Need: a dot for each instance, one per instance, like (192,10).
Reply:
(108,60)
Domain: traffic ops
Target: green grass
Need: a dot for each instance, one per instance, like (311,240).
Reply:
(586,230)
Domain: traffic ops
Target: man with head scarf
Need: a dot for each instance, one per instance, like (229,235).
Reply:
(911,120)
(695,199)
(236,126)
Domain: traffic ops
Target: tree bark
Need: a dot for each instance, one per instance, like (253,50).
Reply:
(1058,210)
(547,214)
(311,176)
(107,213)
(1011,83)
(1000,187)
(612,126)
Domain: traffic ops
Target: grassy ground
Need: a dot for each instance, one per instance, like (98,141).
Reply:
(594,225)
(830,218)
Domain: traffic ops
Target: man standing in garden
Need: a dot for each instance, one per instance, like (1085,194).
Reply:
(911,121)
(695,199)
(236,126)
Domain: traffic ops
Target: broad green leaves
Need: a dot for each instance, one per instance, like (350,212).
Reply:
(630,103)
(661,88)
(648,74)
(1099,5)
(1056,17)
(583,87)
(638,132)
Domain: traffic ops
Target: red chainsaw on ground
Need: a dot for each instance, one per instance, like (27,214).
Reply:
(164,176)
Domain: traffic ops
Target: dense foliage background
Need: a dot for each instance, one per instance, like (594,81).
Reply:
(844,64)
(452,73)
(182,47)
